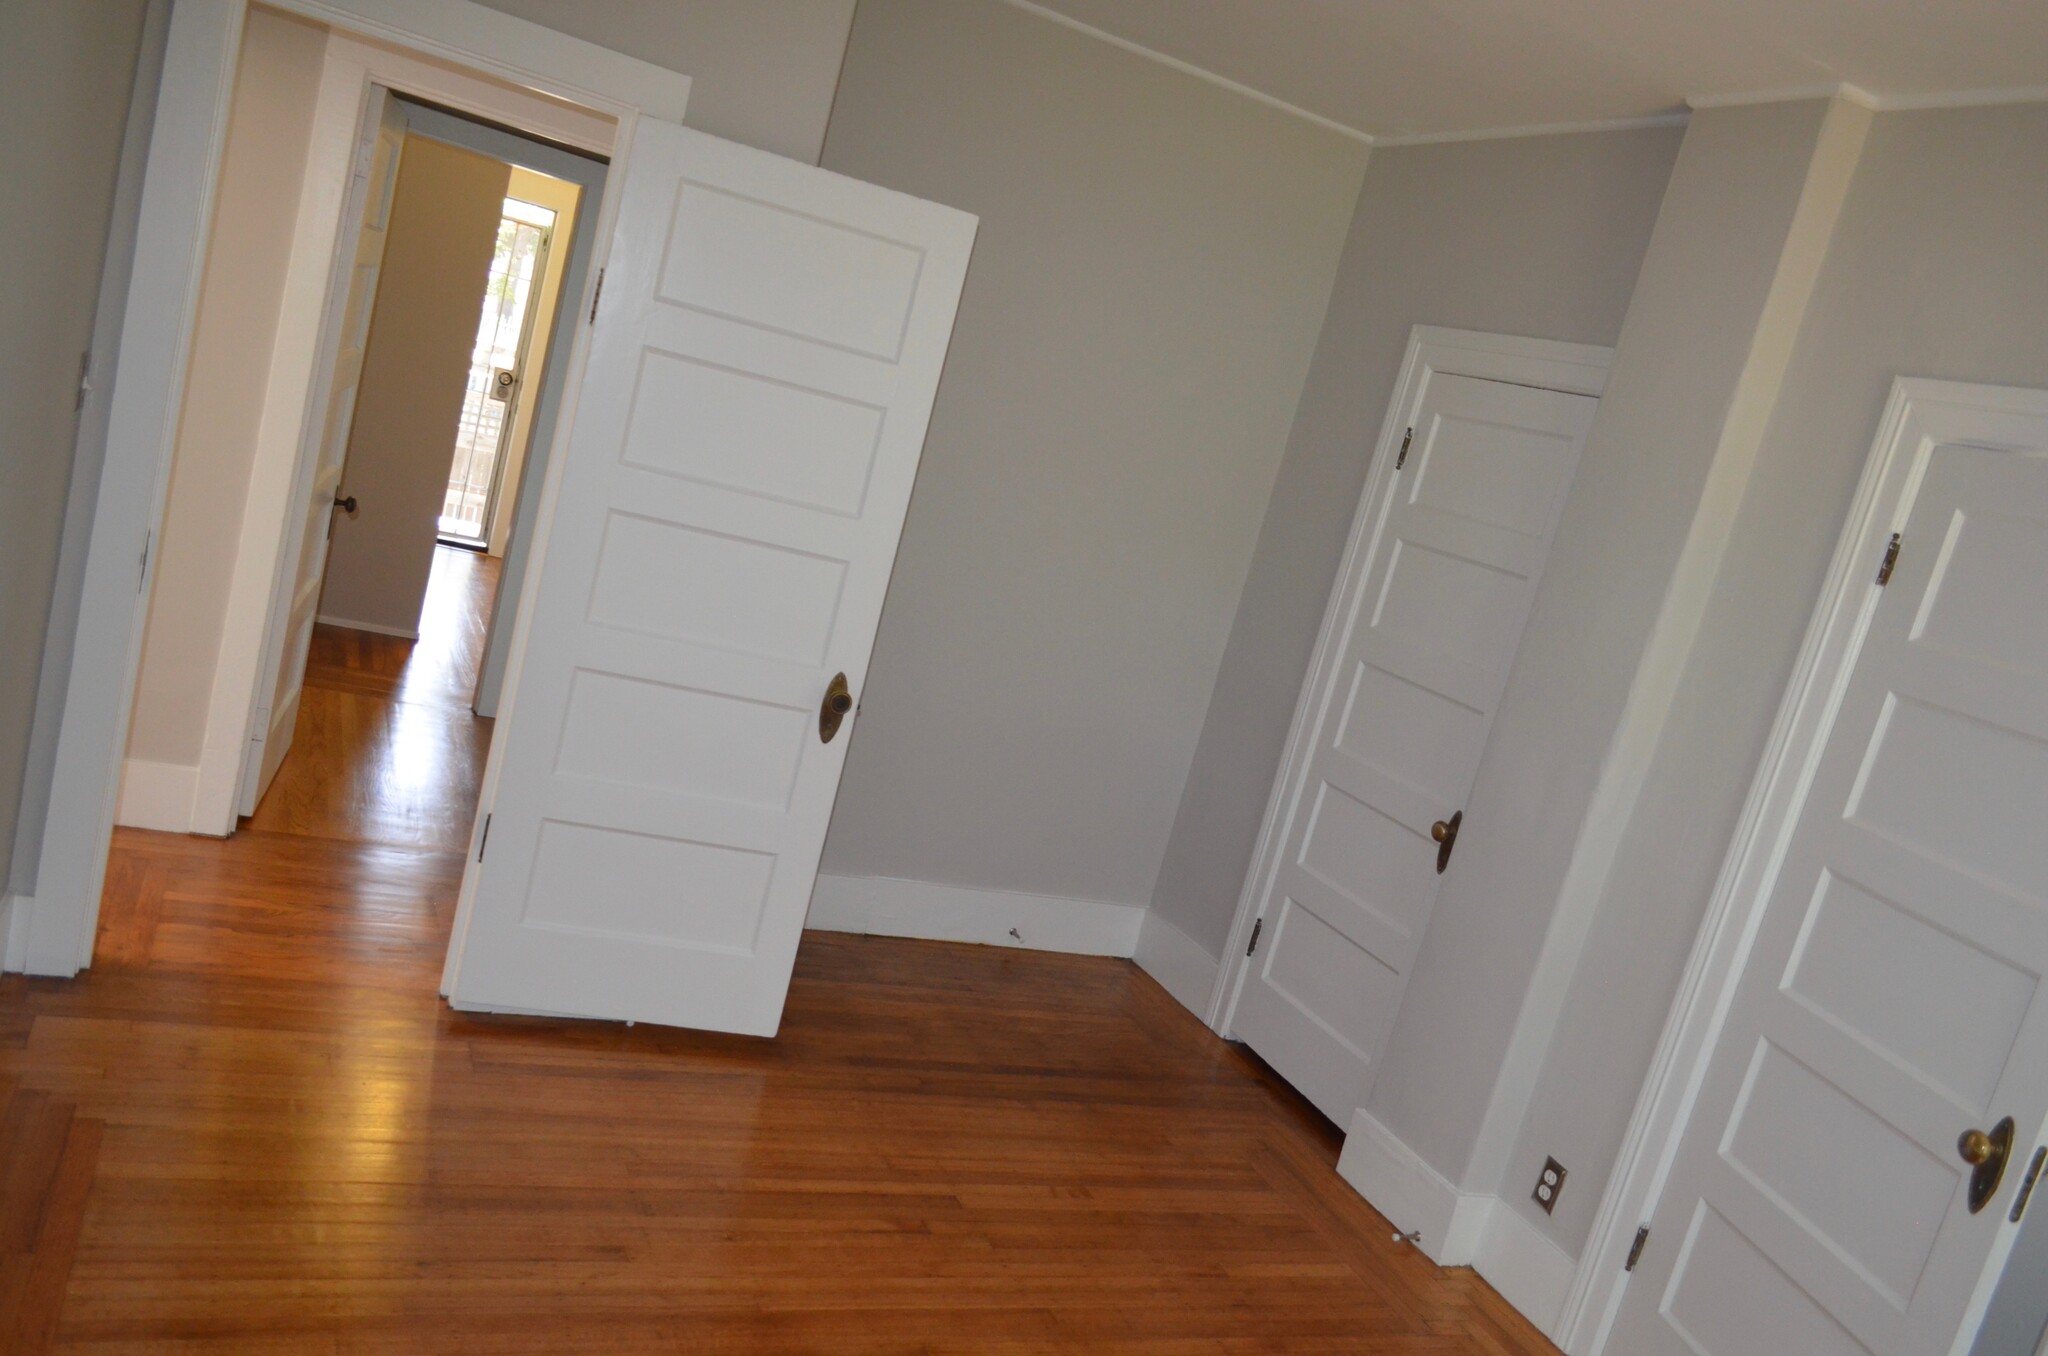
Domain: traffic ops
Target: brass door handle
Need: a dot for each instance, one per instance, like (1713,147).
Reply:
(347,505)
(1445,832)
(838,701)
(1986,1155)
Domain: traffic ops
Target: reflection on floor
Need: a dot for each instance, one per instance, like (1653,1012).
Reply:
(252,1127)
(387,749)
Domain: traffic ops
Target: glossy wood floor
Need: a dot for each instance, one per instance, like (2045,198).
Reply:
(252,1127)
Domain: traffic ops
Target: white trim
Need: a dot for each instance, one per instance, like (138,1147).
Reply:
(157,795)
(1920,415)
(1529,1270)
(14,911)
(889,907)
(1415,1197)
(1457,1228)
(1177,961)
(1876,103)
(402,632)
(1839,89)
(179,187)
(1964,98)
(1189,68)
(1540,129)
(1552,364)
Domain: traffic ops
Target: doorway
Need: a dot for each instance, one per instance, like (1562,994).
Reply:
(363,737)
(486,436)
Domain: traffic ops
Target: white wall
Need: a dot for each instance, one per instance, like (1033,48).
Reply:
(1538,236)
(1153,264)
(761,72)
(65,73)
(1938,268)
(268,131)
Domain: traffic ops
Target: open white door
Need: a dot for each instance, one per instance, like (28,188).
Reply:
(761,374)
(366,217)
(1866,1121)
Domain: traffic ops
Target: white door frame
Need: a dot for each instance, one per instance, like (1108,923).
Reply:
(53,930)
(1920,416)
(1551,364)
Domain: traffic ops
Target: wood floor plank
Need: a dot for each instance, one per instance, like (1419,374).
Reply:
(253,1127)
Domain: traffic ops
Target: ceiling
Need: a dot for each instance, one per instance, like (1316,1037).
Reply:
(1401,68)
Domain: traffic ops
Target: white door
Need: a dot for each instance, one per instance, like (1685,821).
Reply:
(1430,624)
(367,217)
(1891,998)
(760,376)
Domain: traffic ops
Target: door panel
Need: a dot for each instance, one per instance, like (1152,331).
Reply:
(1433,622)
(1892,995)
(368,208)
(760,377)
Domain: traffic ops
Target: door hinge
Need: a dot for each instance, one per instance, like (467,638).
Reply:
(84,379)
(1257,923)
(1635,1250)
(1890,561)
(483,840)
(1406,439)
(595,293)
(142,574)
(2027,1185)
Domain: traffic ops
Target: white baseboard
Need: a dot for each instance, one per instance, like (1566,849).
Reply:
(402,632)
(1531,1272)
(1177,961)
(13,920)
(157,795)
(1400,1184)
(1459,1228)
(952,913)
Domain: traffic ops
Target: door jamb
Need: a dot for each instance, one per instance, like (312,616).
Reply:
(1552,364)
(180,186)
(1920,415)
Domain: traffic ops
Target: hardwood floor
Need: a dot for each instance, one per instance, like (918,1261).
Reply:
(253,1127)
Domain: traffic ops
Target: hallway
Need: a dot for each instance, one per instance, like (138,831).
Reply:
(253,1126)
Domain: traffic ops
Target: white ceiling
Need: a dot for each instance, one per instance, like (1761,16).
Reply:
(1397,68)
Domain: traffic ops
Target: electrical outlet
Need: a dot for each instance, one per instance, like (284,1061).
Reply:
(1549,1185)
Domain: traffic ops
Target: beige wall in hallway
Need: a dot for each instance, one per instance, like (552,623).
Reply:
(1154,259)
(65,72)
(437,262)
(269,125)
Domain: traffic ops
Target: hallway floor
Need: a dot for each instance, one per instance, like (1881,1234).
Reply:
(253,1126)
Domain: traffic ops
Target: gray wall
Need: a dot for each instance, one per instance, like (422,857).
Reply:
(761,72)
(1706,278)
(1939,268)
(1153,264)
(1536,236)
(65,73)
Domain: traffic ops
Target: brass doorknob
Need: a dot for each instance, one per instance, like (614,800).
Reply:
(1445,832)
(838,701)
(1985,1152)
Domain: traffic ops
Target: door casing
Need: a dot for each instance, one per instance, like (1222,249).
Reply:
(1578,369)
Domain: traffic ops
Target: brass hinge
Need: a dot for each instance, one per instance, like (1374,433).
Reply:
(1891,560)
(595,293)
(1635,1251)
(1406,439)
(1257,923)
(2027,1185)
(485,839)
